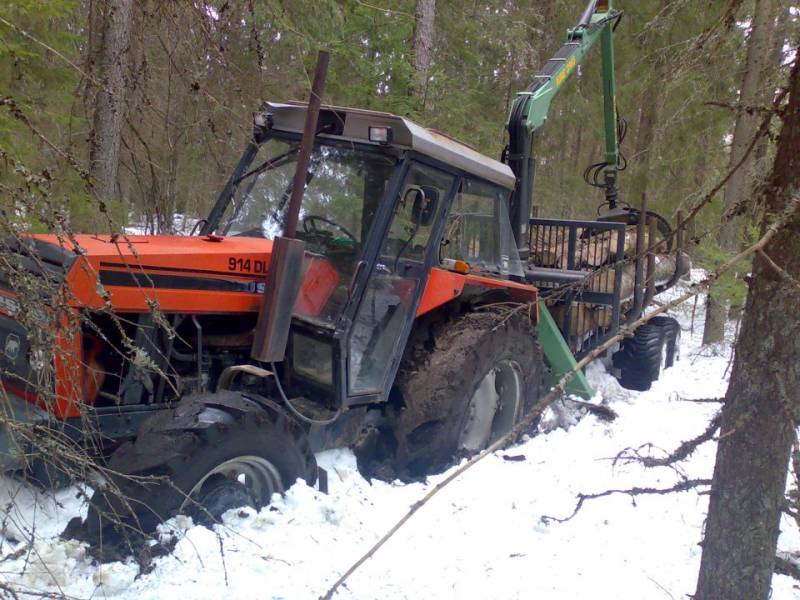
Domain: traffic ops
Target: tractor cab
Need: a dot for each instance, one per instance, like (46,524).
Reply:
(386,200)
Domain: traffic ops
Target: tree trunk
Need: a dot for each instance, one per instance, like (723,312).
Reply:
(424,15)
(762,405)
(109,104)
(738,186)
(95,16)
(645,132)
(648,115)
(772,80)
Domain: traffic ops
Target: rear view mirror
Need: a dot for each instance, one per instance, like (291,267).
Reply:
(424,200)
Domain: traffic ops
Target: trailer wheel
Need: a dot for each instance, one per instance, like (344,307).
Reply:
(653,347)
(207,455)
(672,338)
(464,389)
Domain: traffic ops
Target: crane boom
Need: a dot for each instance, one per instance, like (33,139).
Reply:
(530,108)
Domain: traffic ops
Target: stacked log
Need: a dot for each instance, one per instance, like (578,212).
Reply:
(550,247)
(595,253)
(664,267)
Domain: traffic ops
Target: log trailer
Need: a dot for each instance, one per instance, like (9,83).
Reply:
(361,280)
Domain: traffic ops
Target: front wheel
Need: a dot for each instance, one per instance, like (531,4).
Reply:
(209,454)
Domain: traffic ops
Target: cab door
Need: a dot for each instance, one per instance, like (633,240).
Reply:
(386,310)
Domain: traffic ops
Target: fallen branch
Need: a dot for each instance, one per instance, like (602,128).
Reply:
(683,486)
(559,388)
(681,453)
(787,564)
(677,398)
(598,410)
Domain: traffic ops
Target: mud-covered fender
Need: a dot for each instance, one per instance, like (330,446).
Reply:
(175,429)
(443,286)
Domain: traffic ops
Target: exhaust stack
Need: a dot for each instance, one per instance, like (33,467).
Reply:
(286,264)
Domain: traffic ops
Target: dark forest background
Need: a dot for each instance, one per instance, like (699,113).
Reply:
(193,72)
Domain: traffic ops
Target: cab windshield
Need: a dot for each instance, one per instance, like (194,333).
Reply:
(344,187)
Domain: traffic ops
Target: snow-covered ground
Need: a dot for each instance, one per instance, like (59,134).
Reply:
(482,537)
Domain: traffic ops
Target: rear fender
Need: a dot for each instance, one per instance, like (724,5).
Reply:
(445,286)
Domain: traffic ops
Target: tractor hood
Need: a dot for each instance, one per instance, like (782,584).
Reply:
(176,273)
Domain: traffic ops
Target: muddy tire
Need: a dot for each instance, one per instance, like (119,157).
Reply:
(210,453)
(46,475)
(441,377)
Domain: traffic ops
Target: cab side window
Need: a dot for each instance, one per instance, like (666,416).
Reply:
(478,230)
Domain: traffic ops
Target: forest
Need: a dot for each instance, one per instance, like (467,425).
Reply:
(128,118)
(194,74)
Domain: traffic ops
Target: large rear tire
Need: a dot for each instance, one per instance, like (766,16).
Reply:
(464,388)
(672,338)
(654,346)
(210,453)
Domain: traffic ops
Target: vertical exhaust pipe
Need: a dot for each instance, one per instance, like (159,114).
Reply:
(286,263)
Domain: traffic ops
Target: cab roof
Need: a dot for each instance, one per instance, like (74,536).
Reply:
(354,123)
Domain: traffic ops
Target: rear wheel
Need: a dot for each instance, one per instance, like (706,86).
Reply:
(209,454)
(672,338)
(653,347)
(464,389)
(494,407)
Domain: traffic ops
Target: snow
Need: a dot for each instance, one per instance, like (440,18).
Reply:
(181,225)
(483,536)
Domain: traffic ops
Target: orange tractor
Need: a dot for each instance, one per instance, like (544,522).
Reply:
(395,314)
(383,312)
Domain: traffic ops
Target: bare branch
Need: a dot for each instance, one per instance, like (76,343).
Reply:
(681,453)
(787,564)
(779,270)
(683,486)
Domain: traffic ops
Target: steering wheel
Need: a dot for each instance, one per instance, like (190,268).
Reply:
(310,227)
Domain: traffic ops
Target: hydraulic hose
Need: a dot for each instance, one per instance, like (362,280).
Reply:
(296,412)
